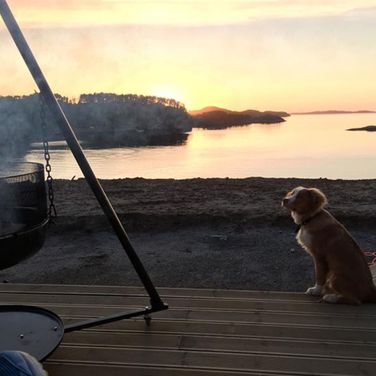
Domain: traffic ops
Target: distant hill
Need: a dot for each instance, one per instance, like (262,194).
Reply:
(207,109)
(213,117)
(333,112)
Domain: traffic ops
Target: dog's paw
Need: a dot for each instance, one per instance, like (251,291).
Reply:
(330,298)
(316,290)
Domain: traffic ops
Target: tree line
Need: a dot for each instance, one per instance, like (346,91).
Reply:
(99,119)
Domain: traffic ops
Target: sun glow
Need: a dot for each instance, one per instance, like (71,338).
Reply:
(285,55)
(167,91)
(167,12)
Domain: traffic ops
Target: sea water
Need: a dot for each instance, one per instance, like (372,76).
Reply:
(306,146)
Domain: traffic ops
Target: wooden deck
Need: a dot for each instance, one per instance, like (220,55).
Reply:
(205,332)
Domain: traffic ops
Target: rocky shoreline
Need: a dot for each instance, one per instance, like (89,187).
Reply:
(211,233)
(159,203)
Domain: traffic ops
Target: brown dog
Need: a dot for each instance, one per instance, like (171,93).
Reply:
(342,273)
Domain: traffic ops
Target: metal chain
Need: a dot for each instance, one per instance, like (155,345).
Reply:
(43,118)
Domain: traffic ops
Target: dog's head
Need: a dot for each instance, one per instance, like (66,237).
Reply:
(304,200)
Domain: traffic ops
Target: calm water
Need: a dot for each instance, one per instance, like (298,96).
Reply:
(303,146)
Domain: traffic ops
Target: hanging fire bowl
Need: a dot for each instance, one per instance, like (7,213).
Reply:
(23,212)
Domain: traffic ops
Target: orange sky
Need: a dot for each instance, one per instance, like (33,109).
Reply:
(292,55)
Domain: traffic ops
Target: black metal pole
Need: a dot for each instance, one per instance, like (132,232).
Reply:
(75,147)
(105,320)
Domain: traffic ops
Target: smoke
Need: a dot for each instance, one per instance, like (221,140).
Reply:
(17,121)
(7,202)
(99,120)
(16,128)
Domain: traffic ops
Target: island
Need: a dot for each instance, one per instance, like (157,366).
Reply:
(107,120)
(99,120)
(219,118)
(367,128)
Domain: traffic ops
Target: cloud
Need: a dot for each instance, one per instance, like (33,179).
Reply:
(367,11)
(54,4)
(174,12)
(303,8)
(270,59)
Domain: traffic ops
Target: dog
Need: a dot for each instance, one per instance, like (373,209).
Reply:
(341,270)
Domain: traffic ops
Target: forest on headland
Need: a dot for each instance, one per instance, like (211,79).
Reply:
(111,120)
(99,120)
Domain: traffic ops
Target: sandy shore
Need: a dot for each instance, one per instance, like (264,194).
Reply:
(213,233)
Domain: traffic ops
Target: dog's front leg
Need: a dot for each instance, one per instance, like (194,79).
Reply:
(321,271)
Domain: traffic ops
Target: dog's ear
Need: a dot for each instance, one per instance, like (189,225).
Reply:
(318,198)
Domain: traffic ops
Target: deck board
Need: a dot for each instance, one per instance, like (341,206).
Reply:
(205,332)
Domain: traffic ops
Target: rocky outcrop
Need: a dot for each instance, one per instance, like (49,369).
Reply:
(368,128)
(221,118)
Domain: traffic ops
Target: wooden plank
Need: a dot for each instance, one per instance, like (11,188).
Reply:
(93,310)
(216,332)
(294,298)
(215,361)
(140,291)
(362,336)
(227,344)
(85,369)
(223,303)
(78,312)
(81,312)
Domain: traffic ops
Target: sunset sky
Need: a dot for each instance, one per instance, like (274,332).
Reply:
(291,55)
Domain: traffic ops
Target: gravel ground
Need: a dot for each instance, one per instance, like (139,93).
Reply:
(259,258)
(200,238)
